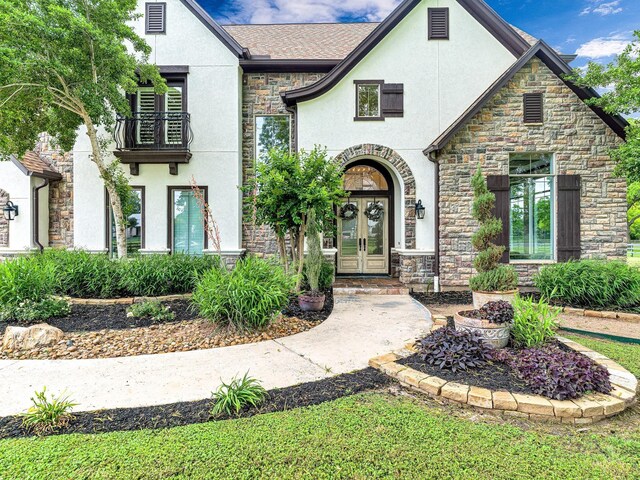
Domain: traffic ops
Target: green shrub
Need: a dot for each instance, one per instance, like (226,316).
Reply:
(153,310)
(502,278)
(534,323)
(29,311)
(22,280)
(155,275)
(232,397)
(46,416)
(591,283)
(247,297)
(82,274)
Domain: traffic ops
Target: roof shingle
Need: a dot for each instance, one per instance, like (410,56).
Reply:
(33,165)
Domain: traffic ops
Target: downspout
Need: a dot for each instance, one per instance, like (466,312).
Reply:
(36,214)
(294,131)
(436,278)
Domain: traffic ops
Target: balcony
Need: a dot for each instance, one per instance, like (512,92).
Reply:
(153,138)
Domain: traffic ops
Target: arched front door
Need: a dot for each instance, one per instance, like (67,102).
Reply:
(365,220)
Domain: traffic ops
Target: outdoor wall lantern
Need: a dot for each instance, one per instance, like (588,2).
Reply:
(10,211)
(420,210)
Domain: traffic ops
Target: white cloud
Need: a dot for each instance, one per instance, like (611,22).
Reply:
(603,47)
(287,11)
(606,8)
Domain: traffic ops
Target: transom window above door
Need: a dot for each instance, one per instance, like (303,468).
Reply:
(364,178)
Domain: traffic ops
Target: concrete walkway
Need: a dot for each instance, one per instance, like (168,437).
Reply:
(360,327)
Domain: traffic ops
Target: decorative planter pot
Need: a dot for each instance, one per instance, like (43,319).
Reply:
(495,335)
(311,303)
(481,298)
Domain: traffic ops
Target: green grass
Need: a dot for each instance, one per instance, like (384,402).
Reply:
(363,437)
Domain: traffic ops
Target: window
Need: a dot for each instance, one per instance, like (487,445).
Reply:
(532,208)
(364,178)
(272,132)
(533,107)
(186,226)
(155,18)
(134,211)
(368,100)
(438,24)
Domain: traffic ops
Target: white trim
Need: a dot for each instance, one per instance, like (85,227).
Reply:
(413,253)
(225,253)
(160,251)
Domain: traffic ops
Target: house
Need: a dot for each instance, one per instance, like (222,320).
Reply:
(410,106)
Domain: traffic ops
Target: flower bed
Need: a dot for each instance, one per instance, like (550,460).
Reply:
(513,402)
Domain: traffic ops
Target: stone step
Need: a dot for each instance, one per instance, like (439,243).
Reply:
(350,291)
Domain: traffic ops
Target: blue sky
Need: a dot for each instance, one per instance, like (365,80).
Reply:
(595,29)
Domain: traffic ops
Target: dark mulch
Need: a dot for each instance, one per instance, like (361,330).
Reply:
(186,413)
(294,310)
(494,376)
(443,298)
(92,318)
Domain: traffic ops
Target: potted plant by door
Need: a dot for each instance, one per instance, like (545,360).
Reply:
(492,322)
(493,281)
(313,300)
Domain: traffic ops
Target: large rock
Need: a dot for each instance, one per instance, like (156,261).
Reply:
(21,338)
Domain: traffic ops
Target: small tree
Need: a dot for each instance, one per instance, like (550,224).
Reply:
(286,188)
(491,276)
(315,258)
(66,64)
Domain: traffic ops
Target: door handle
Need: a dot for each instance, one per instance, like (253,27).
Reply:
(365,244)
(359,244)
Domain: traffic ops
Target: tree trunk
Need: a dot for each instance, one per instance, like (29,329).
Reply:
(301,233)
(282,247)
(114,198)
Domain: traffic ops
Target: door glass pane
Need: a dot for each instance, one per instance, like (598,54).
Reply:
(173,123)
(531,218)
(134,225)
(375,234)
(349,237)
(188,224)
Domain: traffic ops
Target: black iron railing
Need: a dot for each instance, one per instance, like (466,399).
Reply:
(154,131)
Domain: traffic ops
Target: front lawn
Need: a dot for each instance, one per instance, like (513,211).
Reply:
(365,436)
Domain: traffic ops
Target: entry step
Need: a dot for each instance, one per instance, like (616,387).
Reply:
(346,286)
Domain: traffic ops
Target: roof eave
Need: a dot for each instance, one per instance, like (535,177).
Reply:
(52,176)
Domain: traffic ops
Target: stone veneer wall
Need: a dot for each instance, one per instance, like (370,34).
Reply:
(60,194)
(580,141)
(417,270)
(261,96)
(4,223)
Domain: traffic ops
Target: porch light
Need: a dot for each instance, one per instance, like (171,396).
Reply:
(10,211)
(420,210)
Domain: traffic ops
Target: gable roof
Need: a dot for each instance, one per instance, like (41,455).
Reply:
(501,30)
(33,165)
(216,29)
(558,66)
(301,41)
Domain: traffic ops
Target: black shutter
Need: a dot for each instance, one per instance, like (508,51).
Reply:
(438,24)
(568,218)
(155,18)
(499,185)
(533,108)
(393,100)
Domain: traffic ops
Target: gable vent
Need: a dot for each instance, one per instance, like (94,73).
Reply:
(156,18)
(533,108)
(438,24)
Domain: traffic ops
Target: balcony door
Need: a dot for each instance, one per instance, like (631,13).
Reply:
(365,221)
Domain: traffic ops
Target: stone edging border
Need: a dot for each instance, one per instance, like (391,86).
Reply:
(585,410)
(127,300)
(622,316)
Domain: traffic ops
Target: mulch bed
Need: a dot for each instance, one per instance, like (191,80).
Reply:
(104,331)
(186,413)
(494,376)
(443,298)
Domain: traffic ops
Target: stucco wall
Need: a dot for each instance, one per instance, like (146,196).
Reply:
(18,187)
(441,79)
(571,131)
(214,83)
(4,223)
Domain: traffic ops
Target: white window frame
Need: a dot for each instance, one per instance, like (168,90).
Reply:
(368,83)
(256,155)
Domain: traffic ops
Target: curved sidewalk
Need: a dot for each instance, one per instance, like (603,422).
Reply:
(360,327)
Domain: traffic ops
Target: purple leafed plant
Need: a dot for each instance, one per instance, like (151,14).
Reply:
(555,373)
(495,312)
(450,349)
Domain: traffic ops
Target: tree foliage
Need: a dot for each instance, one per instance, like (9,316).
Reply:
(287,187)
(66,64)
(620,80)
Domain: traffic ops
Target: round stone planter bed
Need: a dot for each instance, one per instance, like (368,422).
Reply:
(499,392)
(102,329)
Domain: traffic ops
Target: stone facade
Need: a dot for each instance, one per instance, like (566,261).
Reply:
(261,96)
(60,195)
(417,270)
(580,141)
(4,223)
